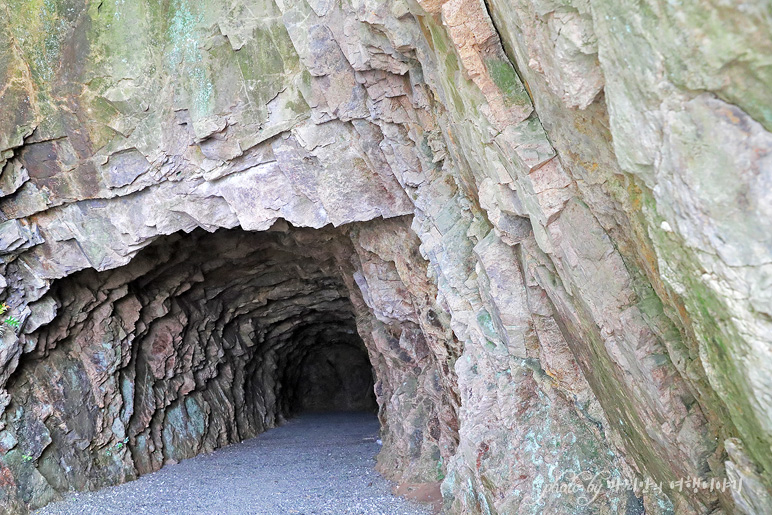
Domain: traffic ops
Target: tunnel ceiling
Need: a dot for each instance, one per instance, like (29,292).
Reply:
(546,223)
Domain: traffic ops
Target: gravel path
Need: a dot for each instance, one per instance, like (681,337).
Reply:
(314,464)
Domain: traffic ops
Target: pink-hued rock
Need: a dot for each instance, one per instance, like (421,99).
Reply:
(534,235)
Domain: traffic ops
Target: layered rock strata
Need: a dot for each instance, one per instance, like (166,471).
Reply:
(548,222)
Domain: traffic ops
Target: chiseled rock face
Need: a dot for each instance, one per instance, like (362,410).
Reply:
(545,224)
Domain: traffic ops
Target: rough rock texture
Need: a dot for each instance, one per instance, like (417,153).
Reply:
(207,339)
(547,221)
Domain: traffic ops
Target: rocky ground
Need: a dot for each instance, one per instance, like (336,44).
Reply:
(314,464)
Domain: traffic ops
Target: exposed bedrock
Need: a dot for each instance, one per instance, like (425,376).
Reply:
(207,339)
(540,228)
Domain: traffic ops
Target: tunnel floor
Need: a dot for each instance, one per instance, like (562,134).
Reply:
(320,463)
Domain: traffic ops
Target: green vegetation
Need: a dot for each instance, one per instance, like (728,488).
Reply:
(10,321)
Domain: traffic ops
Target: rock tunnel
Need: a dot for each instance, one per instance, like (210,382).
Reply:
(205,339)
(534,236)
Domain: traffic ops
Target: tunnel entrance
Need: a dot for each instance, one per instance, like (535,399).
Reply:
(201,340)
(206,339)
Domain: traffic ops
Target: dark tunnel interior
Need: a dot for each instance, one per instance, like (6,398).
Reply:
(199,341)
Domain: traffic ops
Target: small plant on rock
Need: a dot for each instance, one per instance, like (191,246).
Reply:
(10,321)
(440,473)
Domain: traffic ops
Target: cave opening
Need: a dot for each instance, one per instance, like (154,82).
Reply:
(201,340)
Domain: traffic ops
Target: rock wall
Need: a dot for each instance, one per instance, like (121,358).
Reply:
(548,222)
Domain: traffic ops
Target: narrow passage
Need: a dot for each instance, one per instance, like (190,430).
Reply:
(313,464)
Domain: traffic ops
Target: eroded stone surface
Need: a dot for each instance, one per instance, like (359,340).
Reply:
(583,285)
